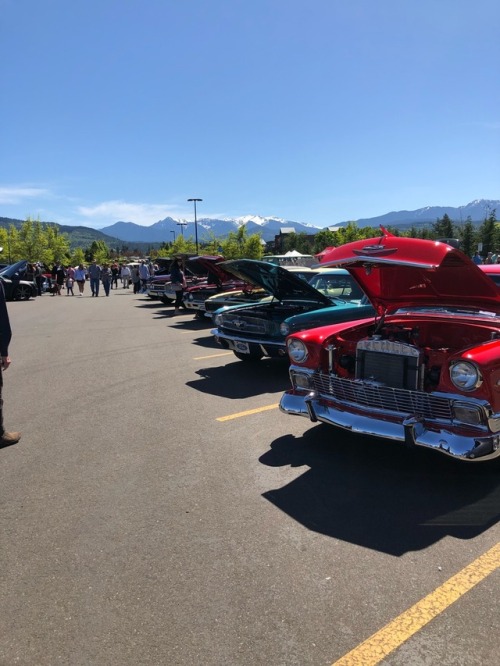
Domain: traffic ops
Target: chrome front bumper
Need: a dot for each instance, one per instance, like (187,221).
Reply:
(268,347)
(412,431)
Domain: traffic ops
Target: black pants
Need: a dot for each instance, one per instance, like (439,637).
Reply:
(178,299)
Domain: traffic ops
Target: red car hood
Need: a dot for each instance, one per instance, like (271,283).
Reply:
(209,264)
(404,272)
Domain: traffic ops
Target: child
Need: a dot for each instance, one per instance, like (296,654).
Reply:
(69,286)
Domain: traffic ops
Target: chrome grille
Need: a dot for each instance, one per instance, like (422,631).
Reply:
(249,325)
(402,401)
(387,362)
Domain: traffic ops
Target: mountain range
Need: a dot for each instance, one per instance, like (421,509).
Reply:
(269,227)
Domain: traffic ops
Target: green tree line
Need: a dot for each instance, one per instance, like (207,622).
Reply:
(469,235)
(35,241)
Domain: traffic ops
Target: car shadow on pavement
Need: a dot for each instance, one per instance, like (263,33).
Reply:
(241,380)
(379,494)
(209,341)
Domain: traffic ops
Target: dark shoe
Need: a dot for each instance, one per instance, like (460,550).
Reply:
(10,437)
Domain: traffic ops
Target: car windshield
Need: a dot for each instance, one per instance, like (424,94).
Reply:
(337,285)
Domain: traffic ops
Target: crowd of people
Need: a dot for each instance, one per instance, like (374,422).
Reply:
(491,258)
(108,275)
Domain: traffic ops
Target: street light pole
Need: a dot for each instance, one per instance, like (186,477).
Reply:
(182,225)
(195,223)
(173,232)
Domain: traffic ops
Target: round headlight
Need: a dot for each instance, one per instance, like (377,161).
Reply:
(297,350)
(284,328)
(465,376)
(218,319)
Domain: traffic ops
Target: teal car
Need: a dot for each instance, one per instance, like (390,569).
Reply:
(256,330)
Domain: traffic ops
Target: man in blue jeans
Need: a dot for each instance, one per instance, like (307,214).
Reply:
(6,438)
(95,278)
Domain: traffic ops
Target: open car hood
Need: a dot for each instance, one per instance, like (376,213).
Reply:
(399,272)
(276,280)
(211,265)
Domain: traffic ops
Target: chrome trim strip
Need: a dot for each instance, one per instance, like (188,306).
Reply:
(410,430)
(253,341)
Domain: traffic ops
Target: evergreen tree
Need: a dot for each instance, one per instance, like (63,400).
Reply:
(467,237)
(252,248)
(443,228)
(488,233)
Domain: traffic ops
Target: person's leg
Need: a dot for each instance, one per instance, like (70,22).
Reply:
(6,438)
(1,404)
(178,302)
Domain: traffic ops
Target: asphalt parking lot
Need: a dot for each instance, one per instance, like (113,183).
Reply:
(159,509)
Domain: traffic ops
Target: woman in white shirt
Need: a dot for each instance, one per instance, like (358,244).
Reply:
(80,276)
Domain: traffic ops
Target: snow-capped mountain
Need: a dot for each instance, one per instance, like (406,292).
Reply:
(477,210)
(164,230)
(269,227)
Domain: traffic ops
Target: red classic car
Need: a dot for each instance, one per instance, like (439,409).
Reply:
(425,370)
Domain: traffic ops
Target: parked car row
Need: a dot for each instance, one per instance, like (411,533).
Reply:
(394,337)
(257,329)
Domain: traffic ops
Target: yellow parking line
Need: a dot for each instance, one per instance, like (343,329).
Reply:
(200,358)
(247,413)
(394,634)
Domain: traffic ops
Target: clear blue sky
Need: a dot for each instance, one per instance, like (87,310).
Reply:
(317,112)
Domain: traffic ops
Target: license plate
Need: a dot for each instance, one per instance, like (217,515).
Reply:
(242,347)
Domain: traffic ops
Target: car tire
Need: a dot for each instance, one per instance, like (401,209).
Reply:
(252,357)
(22,293)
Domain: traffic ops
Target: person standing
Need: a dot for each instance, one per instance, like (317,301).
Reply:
(70,280)
(178,283)
(144,275)
(39,278)
(80,276)
(106,278)
(69,286)
(58,277)
(95,277)
(6,438)
(125,275)
(136,279)
(115,272)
